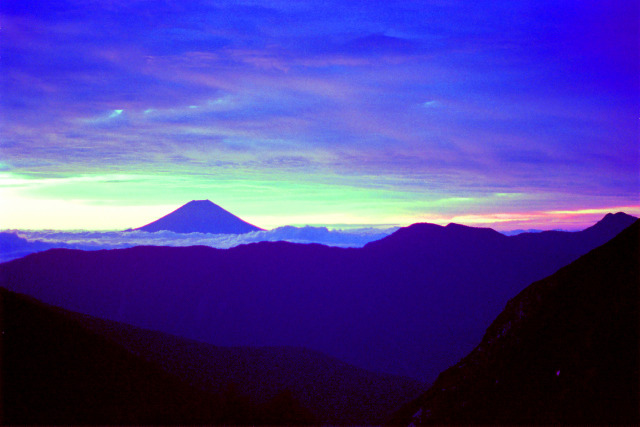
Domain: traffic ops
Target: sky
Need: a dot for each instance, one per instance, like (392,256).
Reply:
(338,113)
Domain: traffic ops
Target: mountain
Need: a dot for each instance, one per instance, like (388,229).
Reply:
(520,231)
(13,246)
(565,350)
(333,391)
(200,216)
(410,304)
(54,371)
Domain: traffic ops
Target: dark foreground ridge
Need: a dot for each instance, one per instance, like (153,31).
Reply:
(200,216)
(56,372)
(61,367)
(564,351)
(333,391)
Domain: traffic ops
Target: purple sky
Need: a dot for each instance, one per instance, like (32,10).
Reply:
(318,112)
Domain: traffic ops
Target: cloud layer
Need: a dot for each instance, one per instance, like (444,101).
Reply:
(17,243)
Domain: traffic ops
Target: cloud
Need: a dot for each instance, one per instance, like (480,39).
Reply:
(110,120)
(18,243)
(430,104)
(308,234)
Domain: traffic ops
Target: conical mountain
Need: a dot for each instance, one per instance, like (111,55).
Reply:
(200,216)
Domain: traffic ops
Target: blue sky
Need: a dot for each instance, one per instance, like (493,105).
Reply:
(513,114)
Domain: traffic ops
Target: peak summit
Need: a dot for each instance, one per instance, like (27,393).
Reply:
(200,202)
(612,222)
(618,216)
(200,216)
(425,234)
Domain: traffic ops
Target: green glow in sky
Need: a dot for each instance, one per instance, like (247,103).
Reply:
(120,201)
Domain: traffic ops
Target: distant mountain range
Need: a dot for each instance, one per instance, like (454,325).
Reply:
(529,230)
(200,216)
(564,351)
(13,246)
(411,304)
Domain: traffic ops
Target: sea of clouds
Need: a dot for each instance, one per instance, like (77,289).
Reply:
(18,243)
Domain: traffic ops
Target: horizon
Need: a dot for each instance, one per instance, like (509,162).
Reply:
(492,114)
(540,221)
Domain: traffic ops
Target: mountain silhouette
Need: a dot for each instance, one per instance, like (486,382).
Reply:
(410,304)
(333,391)
(55,371)
(200,216)
(13,246)
(565,350)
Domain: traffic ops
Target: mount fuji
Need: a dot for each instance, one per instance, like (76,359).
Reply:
(200,216)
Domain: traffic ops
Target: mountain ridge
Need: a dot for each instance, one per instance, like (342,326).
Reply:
(333,391)
(563,351)
(369,307)
(610,224)
(55,371)
(87,351)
